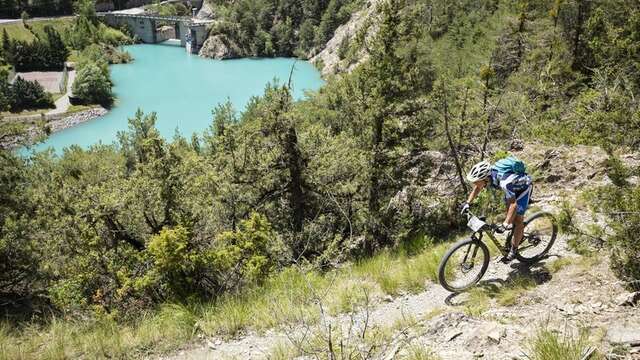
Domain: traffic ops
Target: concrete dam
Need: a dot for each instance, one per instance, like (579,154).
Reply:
(190,31)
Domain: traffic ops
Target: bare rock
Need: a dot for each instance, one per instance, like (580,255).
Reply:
(452,334)
(219,47)
(553,178)
(628,299)
(621,335)
(206,11)
(493,332)
(328,59)
(516,145)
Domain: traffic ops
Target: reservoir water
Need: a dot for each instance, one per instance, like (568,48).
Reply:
(182,89)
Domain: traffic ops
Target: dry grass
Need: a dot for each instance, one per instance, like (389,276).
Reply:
(560,264)
(551,345)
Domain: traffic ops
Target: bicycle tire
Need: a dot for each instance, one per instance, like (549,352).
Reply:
(543,253)
(442,278)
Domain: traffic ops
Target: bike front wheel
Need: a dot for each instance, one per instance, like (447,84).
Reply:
(540,231)
(463,265)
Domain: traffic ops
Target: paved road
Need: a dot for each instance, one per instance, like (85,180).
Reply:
(11,21)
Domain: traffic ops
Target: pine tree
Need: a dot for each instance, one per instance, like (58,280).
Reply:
(57,50)
(7,47)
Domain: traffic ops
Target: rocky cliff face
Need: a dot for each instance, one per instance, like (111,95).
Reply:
(219,47)
(328,60)
(205,12)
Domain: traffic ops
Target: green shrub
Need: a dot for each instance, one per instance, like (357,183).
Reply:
(92,86)
(113,37)
(29,95)
(622,205)
(246,255)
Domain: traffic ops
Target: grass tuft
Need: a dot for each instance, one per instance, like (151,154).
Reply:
(559,264)
(477,302)
(549,345)
(417,352)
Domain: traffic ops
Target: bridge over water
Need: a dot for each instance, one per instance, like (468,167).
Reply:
(190,31)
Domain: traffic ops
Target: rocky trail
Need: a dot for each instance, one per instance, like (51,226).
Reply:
(575,293)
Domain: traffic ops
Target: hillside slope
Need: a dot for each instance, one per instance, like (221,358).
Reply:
(566,293)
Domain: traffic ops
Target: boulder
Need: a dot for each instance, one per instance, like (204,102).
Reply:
(219,47)
(624,335)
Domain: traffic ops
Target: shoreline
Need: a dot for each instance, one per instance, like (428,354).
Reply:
(52,126)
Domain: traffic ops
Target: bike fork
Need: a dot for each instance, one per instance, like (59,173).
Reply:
(475,251)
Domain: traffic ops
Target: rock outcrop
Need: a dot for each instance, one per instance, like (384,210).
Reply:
(205,12)
(219,47)
(328,60)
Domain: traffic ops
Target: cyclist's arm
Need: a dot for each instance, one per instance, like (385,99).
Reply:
(476,190)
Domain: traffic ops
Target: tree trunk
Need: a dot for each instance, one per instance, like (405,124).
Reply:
(452,146)
(374,184)
(294,163)
(576,37)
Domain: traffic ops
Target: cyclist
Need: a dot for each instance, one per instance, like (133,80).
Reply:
(509,175)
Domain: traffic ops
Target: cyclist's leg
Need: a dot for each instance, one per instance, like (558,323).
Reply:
(522,202)
(518,231)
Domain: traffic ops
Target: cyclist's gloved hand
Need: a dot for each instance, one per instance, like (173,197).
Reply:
(464,208)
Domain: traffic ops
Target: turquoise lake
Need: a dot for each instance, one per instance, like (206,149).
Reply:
(182,89)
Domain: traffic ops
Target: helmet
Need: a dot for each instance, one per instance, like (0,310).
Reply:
(479,171)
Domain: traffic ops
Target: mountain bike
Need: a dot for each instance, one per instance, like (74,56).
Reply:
(467,260)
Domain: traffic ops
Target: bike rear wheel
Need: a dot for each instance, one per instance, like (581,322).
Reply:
(540,231)
(463,265)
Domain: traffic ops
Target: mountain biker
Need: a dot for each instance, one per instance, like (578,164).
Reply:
(517,187)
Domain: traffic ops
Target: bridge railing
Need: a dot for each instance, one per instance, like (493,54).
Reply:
(185,19)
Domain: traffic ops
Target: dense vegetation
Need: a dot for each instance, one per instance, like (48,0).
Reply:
(342,174)
(23,95)
(280,27)
(169,9)
(43,8)
(15,8)
(48,54)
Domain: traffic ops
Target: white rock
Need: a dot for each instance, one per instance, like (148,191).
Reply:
(624,335)
(628,299)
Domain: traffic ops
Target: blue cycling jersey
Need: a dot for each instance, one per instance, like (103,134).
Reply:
(511,184)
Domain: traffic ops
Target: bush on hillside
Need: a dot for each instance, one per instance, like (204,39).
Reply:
(621,202)
(92,86)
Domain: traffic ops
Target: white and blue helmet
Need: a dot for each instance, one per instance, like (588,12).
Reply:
(479,171)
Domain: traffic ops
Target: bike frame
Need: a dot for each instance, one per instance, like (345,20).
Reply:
(477,236)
